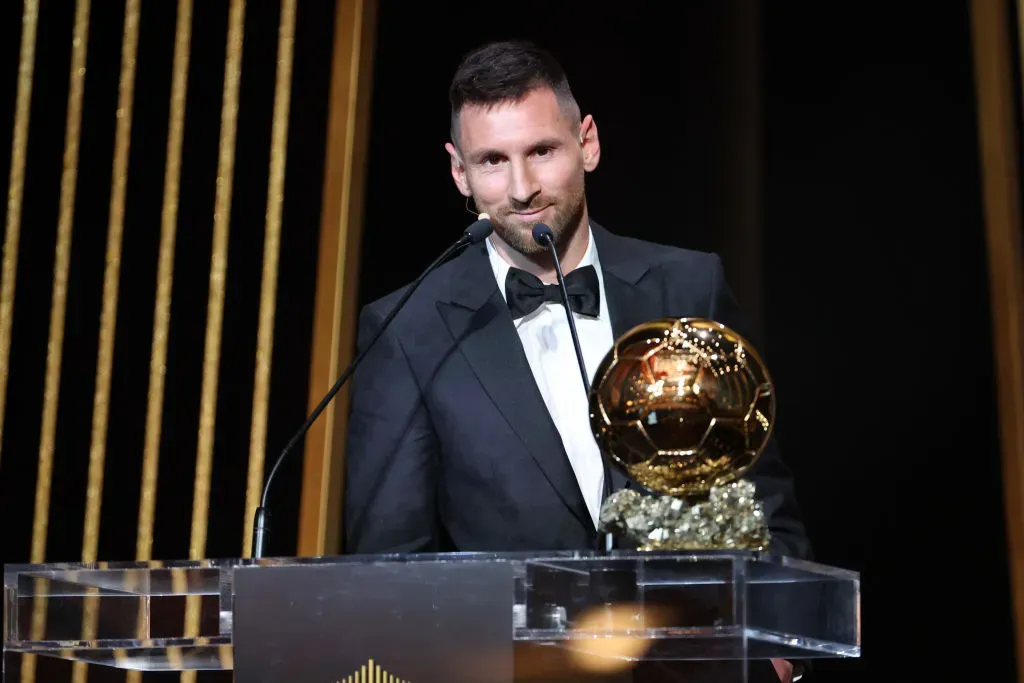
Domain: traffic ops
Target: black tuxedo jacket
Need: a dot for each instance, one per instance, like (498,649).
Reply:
(450,445)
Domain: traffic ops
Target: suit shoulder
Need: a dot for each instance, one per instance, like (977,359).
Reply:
(411,315)
(434,287)
(663,254)
(383,304)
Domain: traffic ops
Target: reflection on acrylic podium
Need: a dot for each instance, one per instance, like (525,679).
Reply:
(486,618)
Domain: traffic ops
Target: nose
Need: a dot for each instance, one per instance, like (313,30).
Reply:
(523,186)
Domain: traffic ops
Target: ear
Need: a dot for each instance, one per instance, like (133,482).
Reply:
(458,170)
(590,143)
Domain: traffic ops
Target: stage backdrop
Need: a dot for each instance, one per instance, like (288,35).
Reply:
(165,168)
(179,277)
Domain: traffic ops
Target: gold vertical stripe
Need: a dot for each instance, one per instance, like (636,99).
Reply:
(226,654)
(141,633)
(164,281)
(176,659)
(37,627)
(215,304)
(90,616)
(268,286)
(15,192)
(108,317)
(320,515)
(60,281)
(218,270)
(999,155)
(55,344)
(179,586)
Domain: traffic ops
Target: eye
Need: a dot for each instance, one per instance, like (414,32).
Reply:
(492,160)
(543,151)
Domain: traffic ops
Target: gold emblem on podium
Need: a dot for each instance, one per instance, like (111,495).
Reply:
(684,406)
(371,672)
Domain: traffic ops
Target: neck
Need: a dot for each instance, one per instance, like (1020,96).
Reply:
(540,263)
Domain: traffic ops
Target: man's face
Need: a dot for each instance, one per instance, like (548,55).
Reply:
(523,163)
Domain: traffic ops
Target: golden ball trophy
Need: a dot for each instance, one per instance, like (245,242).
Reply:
(684,406)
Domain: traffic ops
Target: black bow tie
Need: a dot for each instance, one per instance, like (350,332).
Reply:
(525,292)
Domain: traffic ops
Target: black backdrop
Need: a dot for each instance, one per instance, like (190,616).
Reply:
(874,284)
(867,233)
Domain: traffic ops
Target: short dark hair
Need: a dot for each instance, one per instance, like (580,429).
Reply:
(507,71)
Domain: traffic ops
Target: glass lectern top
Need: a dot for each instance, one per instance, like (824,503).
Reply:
(180,615)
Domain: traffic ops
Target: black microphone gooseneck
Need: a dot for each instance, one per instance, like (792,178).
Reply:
(543,236)
(474,234)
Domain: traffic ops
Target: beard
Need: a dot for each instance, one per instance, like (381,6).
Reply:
(518,234)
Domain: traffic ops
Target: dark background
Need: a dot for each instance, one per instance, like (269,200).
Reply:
(864,187)
(828,151)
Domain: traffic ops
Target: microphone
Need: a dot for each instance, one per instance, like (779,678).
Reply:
(543,236)
(476,233)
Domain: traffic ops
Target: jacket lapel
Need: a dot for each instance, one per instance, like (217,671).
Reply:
(484,332)
(634,294)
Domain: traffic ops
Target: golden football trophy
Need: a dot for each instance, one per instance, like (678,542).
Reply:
(685,406)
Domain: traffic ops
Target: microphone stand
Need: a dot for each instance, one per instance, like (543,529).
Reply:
(543,235)
(474,234)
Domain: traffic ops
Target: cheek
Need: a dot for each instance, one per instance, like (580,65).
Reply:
(488,188)
(561,178)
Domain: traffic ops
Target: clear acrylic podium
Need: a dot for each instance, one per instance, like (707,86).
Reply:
(447,617)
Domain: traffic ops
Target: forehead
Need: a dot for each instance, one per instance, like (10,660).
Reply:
(506,124)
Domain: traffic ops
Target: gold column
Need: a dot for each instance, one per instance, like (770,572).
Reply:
(218,271)
(340,239)
(215,305)
(55,345)
(268,286)
(164,281)
(54,348)
(15,192)
(111,275)
(1001,184)
(108,316)
(162,310)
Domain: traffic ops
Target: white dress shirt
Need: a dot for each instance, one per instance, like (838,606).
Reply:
(547,342)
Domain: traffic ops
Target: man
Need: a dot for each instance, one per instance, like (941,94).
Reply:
(469,427)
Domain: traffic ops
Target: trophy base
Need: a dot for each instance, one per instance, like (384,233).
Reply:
(731,518)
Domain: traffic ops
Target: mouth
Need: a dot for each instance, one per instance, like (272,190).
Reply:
(529,215)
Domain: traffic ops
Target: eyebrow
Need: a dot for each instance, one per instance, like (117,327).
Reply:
(479,156)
